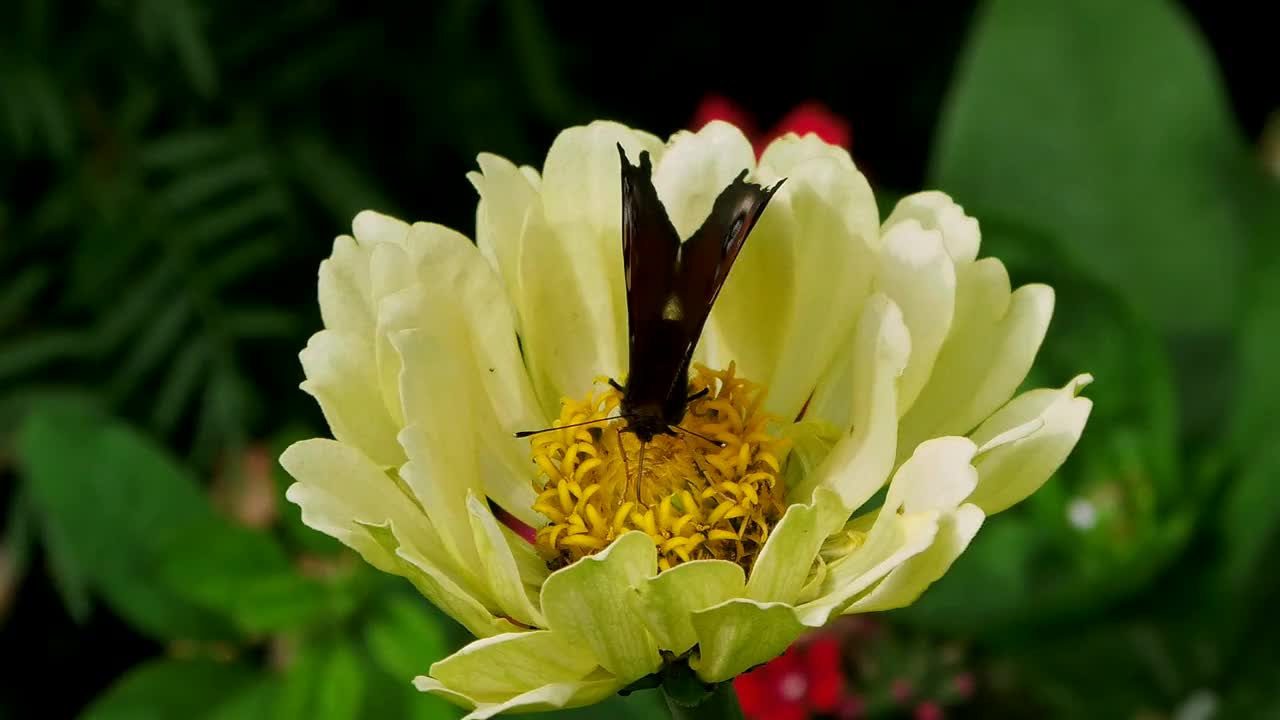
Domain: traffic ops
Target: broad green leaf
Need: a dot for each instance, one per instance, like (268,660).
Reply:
(165,689)
(115,503)
(405,636)
(1106,125)
(1257,398)
(325,682)
(244,575)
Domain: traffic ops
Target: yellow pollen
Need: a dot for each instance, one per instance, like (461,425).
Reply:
(696,500)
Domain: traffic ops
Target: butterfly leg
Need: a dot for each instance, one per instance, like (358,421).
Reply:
(699,395)
(614,384)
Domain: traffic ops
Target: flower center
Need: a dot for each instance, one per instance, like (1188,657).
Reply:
(696,499)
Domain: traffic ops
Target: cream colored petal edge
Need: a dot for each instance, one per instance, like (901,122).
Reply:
(505,198)
(893,539)
(992,343)
(936,210)
(343,288)
(593,602)
(860,462)
(439,439)
(918,274)
(498,668)
(779,572)
(499,565)
(694,169)
(555,696)
(463,604)
(342,375)
(836,236)
(737,635)
(939,475)
(907,582)
(334,478)
(1010,472)
(668,600)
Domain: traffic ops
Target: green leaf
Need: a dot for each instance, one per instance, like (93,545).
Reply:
(1257,402)
(113,503)
(326,682)
(405,637)
(1105,124)
(244,575)
(164,689)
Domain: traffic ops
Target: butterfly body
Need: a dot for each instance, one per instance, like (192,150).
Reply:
(671,288)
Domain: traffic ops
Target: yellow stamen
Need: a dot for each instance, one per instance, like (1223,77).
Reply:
(697,501)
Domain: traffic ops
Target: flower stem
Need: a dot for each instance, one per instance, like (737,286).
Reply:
(719,704)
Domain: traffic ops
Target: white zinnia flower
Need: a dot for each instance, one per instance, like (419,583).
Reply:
(843,355)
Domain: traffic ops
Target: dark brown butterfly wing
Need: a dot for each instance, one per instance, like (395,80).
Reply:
(704,264)
(672,286)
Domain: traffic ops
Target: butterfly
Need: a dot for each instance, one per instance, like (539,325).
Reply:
(671,287)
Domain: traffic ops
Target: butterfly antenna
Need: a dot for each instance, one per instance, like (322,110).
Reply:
(713,441)
(527,433)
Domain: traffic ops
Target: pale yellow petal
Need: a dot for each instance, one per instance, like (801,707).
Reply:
(334,478)
(994,339)
(916,272)
(496,669)
(498,564)
(593,602)
(669,599)
(695,167)
(555,696)
(506,197)
(779,573)
(892,540)
(836,233)
(453,593)
(939,475)
(737,635)
(372,227)
(936,210)
(1011,471)
(907,582)
(860,462)
(342,375)
(345,294)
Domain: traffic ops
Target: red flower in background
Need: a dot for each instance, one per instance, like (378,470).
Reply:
(806,679)
(808,117)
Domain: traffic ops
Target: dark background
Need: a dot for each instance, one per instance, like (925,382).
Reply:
(173,173)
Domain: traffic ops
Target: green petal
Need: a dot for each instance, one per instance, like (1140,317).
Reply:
(892,540)
(556,696)
(668,600)
(993,340)
(593,602)
(443,591)
(779,573)
(918,274)
(498,668)
(859,463)
(738,635)
(1009,472)
(936,210)
(342,376)
(908,581)
(499,565)
(338,488)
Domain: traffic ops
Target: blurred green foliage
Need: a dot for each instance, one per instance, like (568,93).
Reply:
(174,170)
